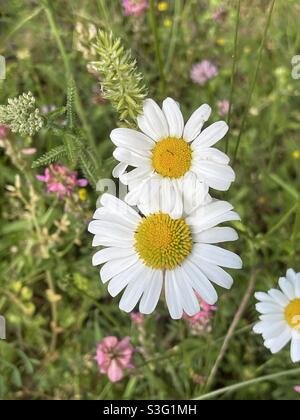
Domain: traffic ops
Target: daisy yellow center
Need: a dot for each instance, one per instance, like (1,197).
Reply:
(292,314)
(172,157)
(162,242)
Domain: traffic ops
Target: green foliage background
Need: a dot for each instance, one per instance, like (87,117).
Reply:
(56,308)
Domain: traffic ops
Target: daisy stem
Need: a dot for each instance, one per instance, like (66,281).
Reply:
(154,28)
(232,328)
(231,388)
(253,83)
(234,64)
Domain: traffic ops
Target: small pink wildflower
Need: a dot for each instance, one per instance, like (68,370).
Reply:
(203,71)
(61,180)
(114,356)
(137,318)
(223,107)
(201,321)
(219,14)
(3,131)
(134,7)
(297,389)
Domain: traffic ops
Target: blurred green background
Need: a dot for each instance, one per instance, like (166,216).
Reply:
(55,306)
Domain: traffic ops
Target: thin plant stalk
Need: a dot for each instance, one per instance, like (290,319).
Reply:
(234,65)
(253,83)
(174,33)
(231,388)
(232,329)
(67,65)
(154,28)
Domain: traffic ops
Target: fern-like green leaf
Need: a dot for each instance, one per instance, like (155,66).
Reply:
(71,103)
(52,156)
(88,169)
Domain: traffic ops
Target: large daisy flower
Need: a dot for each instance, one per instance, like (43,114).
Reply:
(280,320)
(171,158)
(143,254)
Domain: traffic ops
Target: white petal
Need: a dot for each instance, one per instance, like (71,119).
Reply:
(215,274)
(138,174)
(115,267)
(279,297)
(131,158)
(108,215)
(119,207)
(188,298)
(131,139)
(210,215)
(211,135)
(174,117)
(108,254)
(134,291)
(212,154)
(278,343)
(291,274)
(117,284)
(196,122)
(100,240)
(217,176)
(153,123)
(120,169)
(263,297)
(219,256)
(295,347)
(287,288)
(297,285)
(274,330)
(216,235)
(199,282)
(109,229)
(152,293)
(194,192)
(272,317)
(268,308)
(172,296)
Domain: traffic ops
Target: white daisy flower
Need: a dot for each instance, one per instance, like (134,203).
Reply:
(280,320)
(142,254)
(170,155)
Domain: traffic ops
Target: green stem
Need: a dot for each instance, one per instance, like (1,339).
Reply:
(173,41)
(232,328)
(296,230)
(233,70)
(244,384)
(253,83)
(154,27)
(67,65)
(282,220)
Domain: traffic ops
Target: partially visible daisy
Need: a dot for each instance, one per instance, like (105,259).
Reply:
(280,320)
(174,162)
(143,254)
(202,72)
